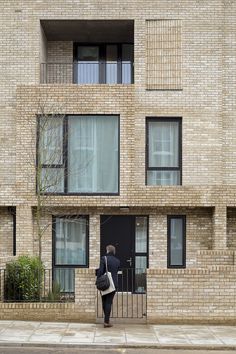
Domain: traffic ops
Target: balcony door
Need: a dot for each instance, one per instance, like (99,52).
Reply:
(88,65)
(103,64)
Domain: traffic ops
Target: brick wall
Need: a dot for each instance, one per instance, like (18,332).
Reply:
(6,233)
(191,295)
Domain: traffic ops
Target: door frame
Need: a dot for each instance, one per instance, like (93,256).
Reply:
(133,220)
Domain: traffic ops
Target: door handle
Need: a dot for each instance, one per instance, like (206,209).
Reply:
(129,261)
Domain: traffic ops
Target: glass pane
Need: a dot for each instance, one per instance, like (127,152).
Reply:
(65,277)
(50,140)
(93,154)
(163,178)
(127,63)
(88,65)
(141,234)
(140,273)
(176,242)
(163,144)
(111,64)
(70,246)
(52,180)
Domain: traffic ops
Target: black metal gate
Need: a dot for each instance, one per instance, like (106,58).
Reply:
(128,303)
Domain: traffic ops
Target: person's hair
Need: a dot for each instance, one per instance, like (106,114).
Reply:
(111,249)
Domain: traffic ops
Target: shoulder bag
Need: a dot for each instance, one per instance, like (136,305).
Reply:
(111,287)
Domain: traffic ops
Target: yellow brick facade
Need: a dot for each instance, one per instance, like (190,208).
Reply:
(184,66)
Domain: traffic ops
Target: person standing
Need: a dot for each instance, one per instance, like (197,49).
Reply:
(113,265)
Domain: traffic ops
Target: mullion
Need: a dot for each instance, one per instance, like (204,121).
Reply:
(119,63)
(65,153)
(102,63)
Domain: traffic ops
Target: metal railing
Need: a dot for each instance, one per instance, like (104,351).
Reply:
(86,73)
(31,287)
(130,300)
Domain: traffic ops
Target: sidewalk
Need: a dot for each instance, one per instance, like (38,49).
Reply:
(56,334)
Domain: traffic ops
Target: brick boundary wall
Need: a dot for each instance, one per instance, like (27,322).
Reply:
(173,296)
(192,295)
(82,310)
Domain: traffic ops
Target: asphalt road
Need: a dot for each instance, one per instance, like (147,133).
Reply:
(33,350)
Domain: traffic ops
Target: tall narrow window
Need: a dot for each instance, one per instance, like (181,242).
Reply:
(163,151)
(50,167)
(70,249)
(176,241)
(141,252)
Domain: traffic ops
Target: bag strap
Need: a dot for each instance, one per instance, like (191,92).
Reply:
(106,264)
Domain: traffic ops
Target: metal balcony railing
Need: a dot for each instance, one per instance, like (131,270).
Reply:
(87,73)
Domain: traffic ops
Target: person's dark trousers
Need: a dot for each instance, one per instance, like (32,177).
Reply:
(106,305)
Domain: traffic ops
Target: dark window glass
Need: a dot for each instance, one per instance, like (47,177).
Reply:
(176,241)
(104,64)
(88,65)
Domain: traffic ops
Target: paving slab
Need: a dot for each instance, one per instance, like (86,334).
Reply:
(85,335)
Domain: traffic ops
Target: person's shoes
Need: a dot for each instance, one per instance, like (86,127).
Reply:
(107,325)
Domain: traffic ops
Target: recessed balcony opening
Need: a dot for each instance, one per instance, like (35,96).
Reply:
(87,52)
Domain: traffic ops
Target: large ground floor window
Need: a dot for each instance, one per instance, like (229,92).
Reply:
(70,249)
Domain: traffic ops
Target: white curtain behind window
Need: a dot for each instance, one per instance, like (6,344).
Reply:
(70,241)
(93,154)
(163,144)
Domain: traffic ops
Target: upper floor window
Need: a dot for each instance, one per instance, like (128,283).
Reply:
(78,154)
(103,64)
(163,151)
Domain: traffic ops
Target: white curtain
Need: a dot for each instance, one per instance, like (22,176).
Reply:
(163,144)
(164,178)
(93,154)
(163,152)
(51,140)
(141,234)
(70,241)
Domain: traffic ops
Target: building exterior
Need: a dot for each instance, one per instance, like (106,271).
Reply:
(142,98)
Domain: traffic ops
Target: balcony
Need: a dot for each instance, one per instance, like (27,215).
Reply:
(87,52)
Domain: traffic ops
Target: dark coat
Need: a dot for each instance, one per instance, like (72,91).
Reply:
(113,265)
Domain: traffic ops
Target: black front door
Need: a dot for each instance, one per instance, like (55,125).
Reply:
(126,234)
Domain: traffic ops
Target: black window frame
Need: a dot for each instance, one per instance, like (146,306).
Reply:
(54,217)
(69,266)
(183,218)
(65,156)
(179,168)
(103,61)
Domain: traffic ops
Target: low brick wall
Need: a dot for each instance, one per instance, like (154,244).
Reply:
(42,312)
(192,295)
(82,310)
